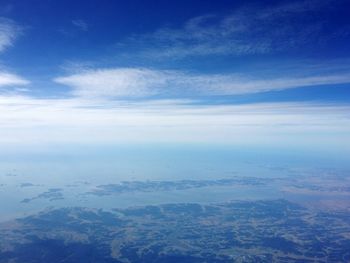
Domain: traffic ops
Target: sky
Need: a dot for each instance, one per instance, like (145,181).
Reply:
(243,73)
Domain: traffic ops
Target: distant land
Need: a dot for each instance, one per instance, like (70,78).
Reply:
(241,231)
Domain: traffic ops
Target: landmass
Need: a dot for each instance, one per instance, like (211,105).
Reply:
(238,231)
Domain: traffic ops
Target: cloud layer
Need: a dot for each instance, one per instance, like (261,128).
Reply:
(141,82)
(140,104)
(26,121)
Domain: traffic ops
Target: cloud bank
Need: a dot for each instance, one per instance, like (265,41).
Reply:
(25,120)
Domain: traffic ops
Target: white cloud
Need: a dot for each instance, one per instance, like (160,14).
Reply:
(226,85)
(138,82)
(9,79)
(9,31)
(115,82)
(24,121)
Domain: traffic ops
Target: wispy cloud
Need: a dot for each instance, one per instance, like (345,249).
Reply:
(80,24)
(141,82)
(248,30)
(115,82)
(9,79)
(9,31)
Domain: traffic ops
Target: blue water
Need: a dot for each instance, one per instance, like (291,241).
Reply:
(77,170)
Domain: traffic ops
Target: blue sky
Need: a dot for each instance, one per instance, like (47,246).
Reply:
(236,72)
